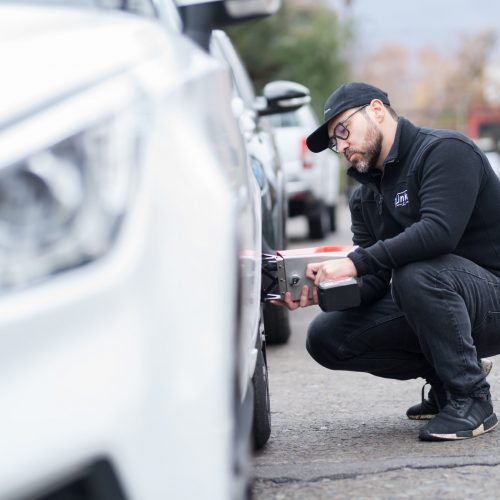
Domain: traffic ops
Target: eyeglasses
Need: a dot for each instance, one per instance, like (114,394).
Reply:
(341,131)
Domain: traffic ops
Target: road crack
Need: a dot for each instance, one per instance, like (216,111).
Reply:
(377,468)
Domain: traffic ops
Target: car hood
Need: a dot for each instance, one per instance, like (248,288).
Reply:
(64,61)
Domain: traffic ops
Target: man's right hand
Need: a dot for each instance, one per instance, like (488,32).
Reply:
(304,301)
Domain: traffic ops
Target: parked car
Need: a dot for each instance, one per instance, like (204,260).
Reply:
(124,371)
(253,113)
(312,180)
(494,159)
(490,148)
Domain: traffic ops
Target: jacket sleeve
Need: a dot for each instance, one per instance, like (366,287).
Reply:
(373,286)
(450,179)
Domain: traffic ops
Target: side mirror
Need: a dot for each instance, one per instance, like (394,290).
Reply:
(282,96)
(200,17)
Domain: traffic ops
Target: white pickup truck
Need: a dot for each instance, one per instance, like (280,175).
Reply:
(311,180)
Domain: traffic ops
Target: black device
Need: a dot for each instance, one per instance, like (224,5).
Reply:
(286,272)
(339,295)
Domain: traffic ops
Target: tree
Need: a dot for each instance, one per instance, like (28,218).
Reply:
(465,83)
(434,89)
(388,68)
(304,42)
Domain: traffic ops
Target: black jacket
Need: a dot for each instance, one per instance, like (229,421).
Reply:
(438,194)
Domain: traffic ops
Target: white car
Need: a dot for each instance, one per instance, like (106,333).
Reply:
(311,180)
(494,159)
(123,370)
(489,148)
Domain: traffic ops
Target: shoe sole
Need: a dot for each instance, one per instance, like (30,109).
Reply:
(488,425)
(487,366)
(429,416)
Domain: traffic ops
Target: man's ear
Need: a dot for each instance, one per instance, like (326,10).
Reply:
(378,110)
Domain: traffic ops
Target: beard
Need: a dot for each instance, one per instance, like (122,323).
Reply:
(369,157)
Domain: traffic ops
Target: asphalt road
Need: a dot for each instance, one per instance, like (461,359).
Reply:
(340,435)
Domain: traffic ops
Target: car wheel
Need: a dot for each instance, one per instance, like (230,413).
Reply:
(262,403)
(276,324)
(319,221)
(332,212)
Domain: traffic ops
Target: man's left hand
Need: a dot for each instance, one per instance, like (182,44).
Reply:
(331,270)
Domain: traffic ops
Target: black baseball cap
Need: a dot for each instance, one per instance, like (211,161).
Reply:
(349,95)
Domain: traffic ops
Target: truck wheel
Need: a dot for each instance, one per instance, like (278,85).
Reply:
(319,221)
(276,324)
(262,402)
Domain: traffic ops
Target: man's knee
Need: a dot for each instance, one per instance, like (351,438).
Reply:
(315,340)
(322,341)
(329,338)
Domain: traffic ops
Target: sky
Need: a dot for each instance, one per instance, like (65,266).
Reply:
(441,23)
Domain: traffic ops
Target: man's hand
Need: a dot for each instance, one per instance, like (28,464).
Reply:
(331,270)
(303,302)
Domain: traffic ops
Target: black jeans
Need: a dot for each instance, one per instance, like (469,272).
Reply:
(442,316)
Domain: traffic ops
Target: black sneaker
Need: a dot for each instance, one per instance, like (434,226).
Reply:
(436,400)
(430,407)
(461,418)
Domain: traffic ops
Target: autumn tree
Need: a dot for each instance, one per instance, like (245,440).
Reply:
(433,88)
(389,69)
(465,83)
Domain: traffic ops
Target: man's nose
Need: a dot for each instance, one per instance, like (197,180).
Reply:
(342,145)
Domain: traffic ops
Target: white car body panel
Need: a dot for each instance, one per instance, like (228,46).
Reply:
(250,230)
(128,357)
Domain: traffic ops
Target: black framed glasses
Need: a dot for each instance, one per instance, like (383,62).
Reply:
(341,131)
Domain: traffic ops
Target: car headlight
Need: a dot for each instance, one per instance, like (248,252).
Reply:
(62,203)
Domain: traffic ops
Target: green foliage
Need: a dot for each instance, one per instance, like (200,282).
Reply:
(303,42)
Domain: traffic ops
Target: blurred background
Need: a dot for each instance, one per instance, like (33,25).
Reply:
(437,59)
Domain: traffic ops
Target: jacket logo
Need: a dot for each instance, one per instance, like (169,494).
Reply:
(401,199)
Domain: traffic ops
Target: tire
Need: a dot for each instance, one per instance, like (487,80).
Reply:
(262,401)
(276,324)
(242,436)
(318,220)
(332,212)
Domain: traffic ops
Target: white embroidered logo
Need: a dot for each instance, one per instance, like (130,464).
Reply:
(401,199)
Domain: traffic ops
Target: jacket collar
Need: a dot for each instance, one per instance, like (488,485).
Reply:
(404,138)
